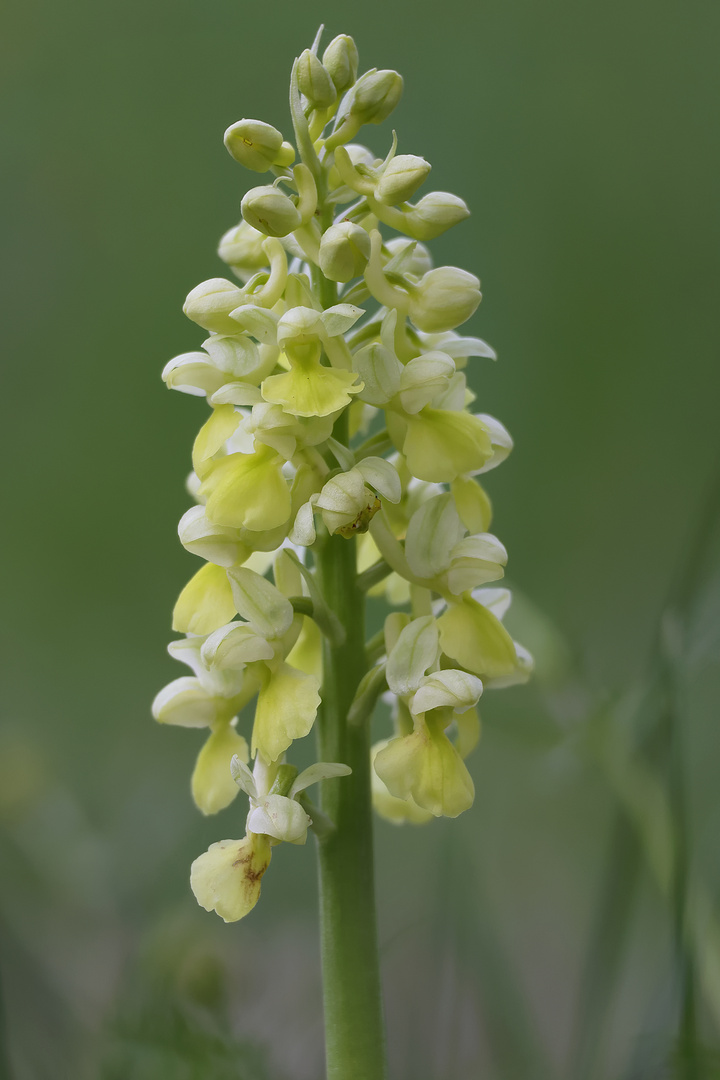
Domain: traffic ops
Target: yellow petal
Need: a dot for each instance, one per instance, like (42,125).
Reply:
(473,504)
(212,435)
(206,603)
(312,390)
(286,710)
(468,732)
(306,653)
(227,878)
(396,811)
(441,444)
(426,767)
(247,491)
(473,637)
(213,787)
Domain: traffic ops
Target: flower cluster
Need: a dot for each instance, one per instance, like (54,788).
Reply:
(338,407)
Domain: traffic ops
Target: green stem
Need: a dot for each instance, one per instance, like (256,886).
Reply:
(354,1029)
(351,979)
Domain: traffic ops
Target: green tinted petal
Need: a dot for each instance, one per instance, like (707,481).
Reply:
(247,491)
(222,423)
(473,504)
(286,710)
(311,391)
(476,640)
(468,732)
(441,445)
(213,787)
(260,602)
(396,811)
(427,767)
(415,651)
(206,602)
(434,530)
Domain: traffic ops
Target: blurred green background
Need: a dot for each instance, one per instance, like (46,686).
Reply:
(533,937)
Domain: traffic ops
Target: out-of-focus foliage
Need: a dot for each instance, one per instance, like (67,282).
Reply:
(556,930)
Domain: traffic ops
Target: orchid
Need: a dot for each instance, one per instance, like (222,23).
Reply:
(340,457)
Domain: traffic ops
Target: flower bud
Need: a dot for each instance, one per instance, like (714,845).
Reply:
(435,213)
(242,249)
(376,95)
(340,59)
(270,211)
(257,145)
(344,251)
(371,100)
(443,299)
(401,178)
(315,82)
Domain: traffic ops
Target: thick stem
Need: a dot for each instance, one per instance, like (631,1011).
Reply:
(354,1033)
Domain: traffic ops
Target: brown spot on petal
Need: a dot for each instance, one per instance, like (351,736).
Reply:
(361,524)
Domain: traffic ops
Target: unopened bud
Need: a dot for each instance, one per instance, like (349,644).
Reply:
(443,299)
(315,82)
(371,100)
(340,59)
(401,178)
(344,251)
(376,95)
(242,249)
(270,211)
(257,145)
(434,214)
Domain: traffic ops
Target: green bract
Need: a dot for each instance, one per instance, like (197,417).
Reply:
(338,415)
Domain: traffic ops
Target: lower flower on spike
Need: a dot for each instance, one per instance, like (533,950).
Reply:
(227,878)
(426,767)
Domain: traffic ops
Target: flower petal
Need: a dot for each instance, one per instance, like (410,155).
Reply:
(205,603)
(227,878)
(476,640)
(415,651)
(286,710)
(281,818)
(427,767)
(213,786)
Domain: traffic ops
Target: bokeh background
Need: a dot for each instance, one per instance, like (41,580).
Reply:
(563,929)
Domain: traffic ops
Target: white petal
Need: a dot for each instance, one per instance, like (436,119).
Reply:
(447,689)
(260,322)
(281,818)
(340,318)
(243,777)
(382,476)
(434,530)
(303,530)
(415,651)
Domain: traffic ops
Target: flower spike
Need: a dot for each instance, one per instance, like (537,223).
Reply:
(338,457)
